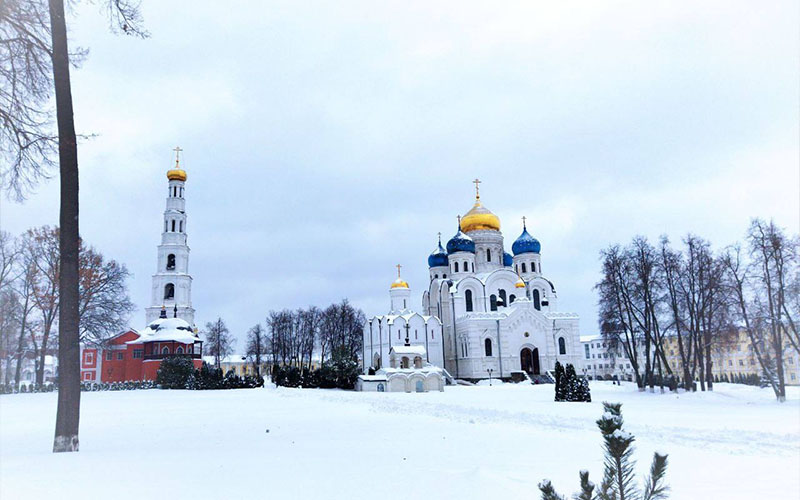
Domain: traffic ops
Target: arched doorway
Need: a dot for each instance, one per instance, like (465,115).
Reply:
(526,360)
(529,360)
(376,361)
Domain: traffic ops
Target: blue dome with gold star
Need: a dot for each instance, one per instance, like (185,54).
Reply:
(526,243)
(460,243)
(439,257)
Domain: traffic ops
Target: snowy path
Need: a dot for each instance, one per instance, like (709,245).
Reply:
(468,442)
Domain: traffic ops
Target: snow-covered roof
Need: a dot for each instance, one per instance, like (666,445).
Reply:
(167,330)
(590,338)
(373,378)
(408,349)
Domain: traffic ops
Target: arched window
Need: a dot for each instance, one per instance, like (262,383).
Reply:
(562,345)
(165,350)
(169,291)
(181,227)
(533,267)
(179,350)
(170,262)
(493,302)
(516,268)
(512,298)
(468,297)
(536,302)
(444,276)
(455,268)
(524,270)
(503,297)
(487,347)
(166,226)
(181,192)
(488,255)
(435,276)
(173,226)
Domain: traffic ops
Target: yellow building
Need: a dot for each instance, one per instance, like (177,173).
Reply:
(732,355)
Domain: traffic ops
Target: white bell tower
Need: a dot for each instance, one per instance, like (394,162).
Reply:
(172,283)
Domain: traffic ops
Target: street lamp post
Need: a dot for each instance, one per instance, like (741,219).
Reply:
(490,375)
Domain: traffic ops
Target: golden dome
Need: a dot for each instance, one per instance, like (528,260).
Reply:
(478,218)
(176,174)
(520,283)
(399,283)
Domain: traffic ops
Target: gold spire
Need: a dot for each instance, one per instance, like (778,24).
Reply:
(177,173)
(399,283)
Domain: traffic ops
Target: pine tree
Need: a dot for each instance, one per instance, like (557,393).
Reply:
(559,375)
(618,477)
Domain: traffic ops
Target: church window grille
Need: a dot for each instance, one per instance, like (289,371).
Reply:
(523,268)
(468,297)
(169,291)
(487,347)
(455,267)
(562,345)
(170,262)
(536,300)
(493,302)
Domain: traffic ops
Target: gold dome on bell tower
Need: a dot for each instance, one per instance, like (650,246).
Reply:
(177,173)
(479,217)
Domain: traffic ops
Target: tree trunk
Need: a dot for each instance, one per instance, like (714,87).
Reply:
(69,389)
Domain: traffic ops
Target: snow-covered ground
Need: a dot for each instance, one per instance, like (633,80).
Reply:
(468,442)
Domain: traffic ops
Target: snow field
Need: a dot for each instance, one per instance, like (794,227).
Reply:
(468,442)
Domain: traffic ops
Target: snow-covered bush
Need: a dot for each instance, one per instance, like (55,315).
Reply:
(619,475)
(569,386)
(174,372)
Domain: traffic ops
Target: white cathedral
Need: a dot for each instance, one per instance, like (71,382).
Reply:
(485,313)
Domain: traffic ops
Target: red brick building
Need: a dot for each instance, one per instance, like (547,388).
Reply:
(132,355)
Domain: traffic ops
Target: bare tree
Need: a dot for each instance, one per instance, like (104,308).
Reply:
(256,346)
(35,64)
(219,341)
(104,302)
(41,245)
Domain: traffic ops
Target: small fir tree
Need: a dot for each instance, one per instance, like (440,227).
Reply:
(559,374)
(618,477)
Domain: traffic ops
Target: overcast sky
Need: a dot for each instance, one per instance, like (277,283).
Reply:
(326,142)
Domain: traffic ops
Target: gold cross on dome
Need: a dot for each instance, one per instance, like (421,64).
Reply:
(477,188)
(398,266)
(177,155)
